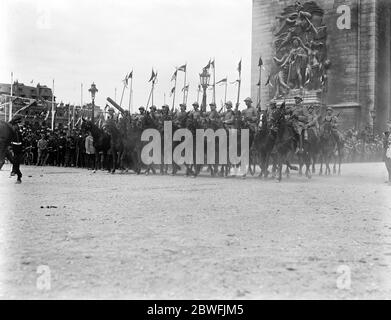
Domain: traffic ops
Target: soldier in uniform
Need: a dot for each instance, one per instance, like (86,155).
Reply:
(180,116)
(313,120)
(213,115)
(166,114)
(110,115)
(228,116)
(196,113)
(250,115)
(333,120)
(299,121)
(17,148)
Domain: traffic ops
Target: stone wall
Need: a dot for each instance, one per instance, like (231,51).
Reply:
(359,77)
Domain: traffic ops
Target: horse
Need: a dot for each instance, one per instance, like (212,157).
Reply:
(263,144)
(116,143)
(285,144)
(329,147)
(7,134)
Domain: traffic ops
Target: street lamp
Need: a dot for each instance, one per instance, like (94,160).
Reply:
(93,90)
(373,116)
(204,80)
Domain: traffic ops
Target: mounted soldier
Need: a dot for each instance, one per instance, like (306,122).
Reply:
(299,121)
(180,117)
(228,116)
(333,120)
(196,113)
(111,114)
(313,120)
(250,115)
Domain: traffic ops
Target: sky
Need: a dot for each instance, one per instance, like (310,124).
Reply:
(85,41)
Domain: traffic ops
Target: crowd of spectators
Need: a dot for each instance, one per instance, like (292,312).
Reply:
(67,148)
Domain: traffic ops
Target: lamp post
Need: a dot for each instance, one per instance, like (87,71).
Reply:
(93,91)
(373,116)
(204,80)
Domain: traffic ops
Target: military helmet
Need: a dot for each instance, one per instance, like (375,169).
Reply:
(248,99)
(329,108)
(141,108)
(183,105)
(165,106)
(153,108)
(111,109)
(212,104)
(195,104)
(229,104)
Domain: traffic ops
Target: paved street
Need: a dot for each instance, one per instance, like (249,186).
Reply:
(163,237)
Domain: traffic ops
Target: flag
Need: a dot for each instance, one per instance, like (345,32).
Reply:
(186,88)
(260,63)
(172,91)
(125,81)
(130,75)
(153,76)
(182,68)
(222,81)
(235,81)
(240,66)
(212,63)
(199,87)
(174,75)
(31,81)
(259,83)
(208,65)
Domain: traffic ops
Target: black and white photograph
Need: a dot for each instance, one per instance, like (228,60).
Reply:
(195,150)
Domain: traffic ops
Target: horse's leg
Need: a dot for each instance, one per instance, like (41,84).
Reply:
(314,156)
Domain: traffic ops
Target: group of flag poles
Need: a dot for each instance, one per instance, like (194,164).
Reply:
(153,81)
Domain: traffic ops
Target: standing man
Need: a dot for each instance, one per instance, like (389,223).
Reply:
(17,148)
(42,145)
(90,151)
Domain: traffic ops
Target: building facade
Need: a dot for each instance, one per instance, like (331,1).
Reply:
(350,39)
(40,100)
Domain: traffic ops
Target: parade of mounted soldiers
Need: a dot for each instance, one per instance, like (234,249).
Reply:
(279,135)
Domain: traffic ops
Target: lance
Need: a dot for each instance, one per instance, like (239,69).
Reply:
(237,100)
(131,94)
(69,118)
(10,107)
(73,117)
(214,80)
(239,82)
(225,91)
(260,64)
(173,98)
(184,85)
(150,98)
(123,90)
(53,112)
(198,93)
